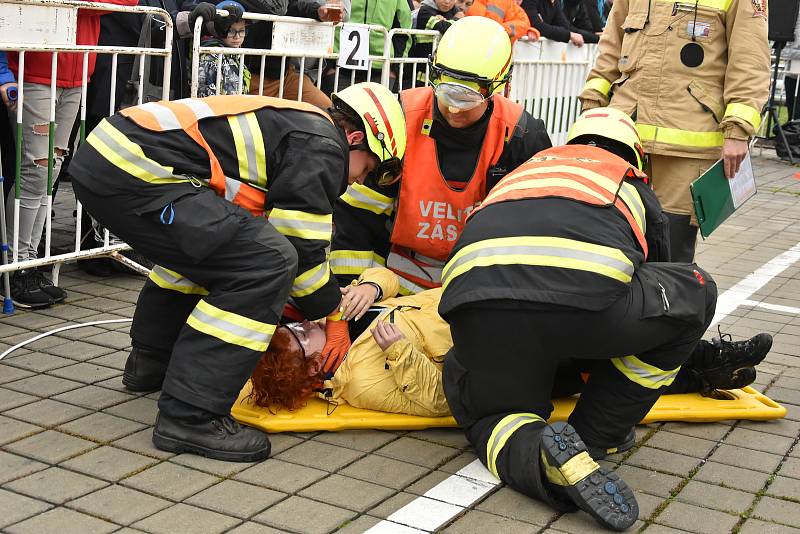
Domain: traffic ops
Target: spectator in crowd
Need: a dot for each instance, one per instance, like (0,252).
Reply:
(548,17)
(229,64)
(509,14)
(8,88)
(464,5)
(387,13)
(435,15)
(584,19)
(259,35)
(30,288)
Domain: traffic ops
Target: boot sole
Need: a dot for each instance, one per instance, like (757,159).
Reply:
(133,383)
(168,444)
(596,490)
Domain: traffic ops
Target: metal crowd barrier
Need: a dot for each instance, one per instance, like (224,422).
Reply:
(68,13)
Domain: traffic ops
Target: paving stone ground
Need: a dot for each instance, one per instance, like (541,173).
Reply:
(76,456)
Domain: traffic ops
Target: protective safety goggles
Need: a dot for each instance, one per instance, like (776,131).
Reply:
(459,96)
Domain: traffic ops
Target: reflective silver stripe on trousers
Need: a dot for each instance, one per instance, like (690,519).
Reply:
(240,331)
(658,379)
(541,251)
(491,448)
(180,281)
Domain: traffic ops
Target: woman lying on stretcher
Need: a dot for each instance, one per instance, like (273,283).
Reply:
(398,347)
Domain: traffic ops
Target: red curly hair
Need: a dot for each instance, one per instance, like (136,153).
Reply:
(284,376)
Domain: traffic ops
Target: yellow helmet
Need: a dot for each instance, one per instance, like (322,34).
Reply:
(611,124)
(476,50)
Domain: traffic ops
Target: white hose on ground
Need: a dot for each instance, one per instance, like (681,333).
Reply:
(61,329)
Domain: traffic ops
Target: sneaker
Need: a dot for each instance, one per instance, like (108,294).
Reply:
(52,290)
(594,489)
(599,453)
(221,438)
(724,364)
(145,370)
(26,292)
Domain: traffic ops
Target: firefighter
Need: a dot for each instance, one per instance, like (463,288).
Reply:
(556,256)
(463,136)
(185,183)
(694,77)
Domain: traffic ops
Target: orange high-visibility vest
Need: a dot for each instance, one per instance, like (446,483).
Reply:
(582,173)
(185,114)
(430,213)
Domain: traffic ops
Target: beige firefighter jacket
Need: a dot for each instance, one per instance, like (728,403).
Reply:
(407,378)
(645,68)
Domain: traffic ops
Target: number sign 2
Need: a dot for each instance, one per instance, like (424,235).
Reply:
(354,47)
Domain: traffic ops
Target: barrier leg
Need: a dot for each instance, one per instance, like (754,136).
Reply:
(8,304)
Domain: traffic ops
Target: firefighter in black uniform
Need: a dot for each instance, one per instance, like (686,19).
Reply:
(185,184)
(556,255)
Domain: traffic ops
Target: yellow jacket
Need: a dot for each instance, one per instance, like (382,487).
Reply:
(407,378)
(644,67)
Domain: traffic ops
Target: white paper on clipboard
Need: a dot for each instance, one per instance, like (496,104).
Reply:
(743,185)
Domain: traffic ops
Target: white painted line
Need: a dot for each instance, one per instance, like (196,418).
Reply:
(741,291)
(773,307)
(443,502)
(453,495)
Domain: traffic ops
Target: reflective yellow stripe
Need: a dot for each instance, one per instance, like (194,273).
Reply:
(361,196)
(167,279)
(601,85)
(311,280)
(231,327)
(744,112)
(302,224)
(249,148)
(500,434)
(540,251)
(128,156)
(722,5)
(644,374)
(354,261)
(674,136)
(630,196)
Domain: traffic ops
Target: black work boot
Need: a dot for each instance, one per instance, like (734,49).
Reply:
(599,453)
(726,364)
(594,489)
(221,438)
(145,370)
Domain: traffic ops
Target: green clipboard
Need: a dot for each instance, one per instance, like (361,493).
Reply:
(715,198)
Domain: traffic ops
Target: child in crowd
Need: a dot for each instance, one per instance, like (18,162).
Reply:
(232,37)
(433,15)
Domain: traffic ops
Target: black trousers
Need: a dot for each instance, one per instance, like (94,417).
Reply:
(499,377)
(219,287)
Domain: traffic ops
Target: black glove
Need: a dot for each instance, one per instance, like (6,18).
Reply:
(223,24)
(205,10)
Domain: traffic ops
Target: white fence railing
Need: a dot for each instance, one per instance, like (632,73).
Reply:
(547,79)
